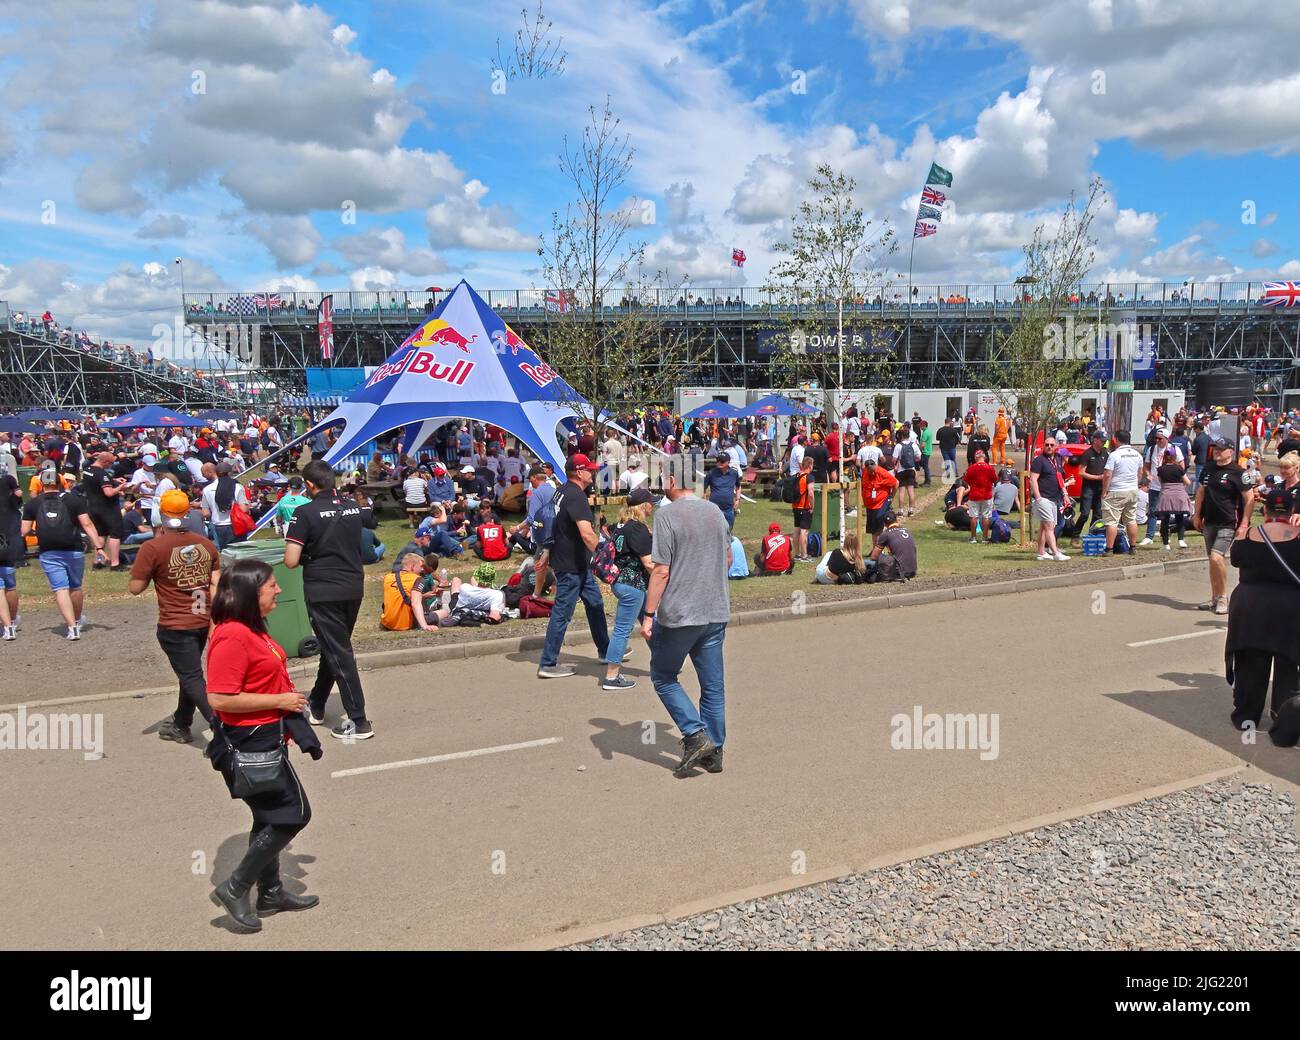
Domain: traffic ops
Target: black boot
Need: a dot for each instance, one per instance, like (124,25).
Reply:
(272,897)
(235,897)
(694,748)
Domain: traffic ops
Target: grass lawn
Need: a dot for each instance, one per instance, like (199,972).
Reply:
(944,557)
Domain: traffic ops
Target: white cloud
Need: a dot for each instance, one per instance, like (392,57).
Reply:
(387,248)
(292,241)
(462,220)
(166,226)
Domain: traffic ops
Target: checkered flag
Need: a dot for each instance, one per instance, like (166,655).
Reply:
(241,306)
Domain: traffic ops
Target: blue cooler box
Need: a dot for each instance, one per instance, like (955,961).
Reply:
(1093,544)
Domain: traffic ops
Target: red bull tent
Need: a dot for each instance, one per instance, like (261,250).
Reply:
(463,362)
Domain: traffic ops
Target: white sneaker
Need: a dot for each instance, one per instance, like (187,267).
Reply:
(73,632)
(8,633)
(1169,548)
(1145,541)
(1060,556)
(1044,556)
(18,620)
(1182,544)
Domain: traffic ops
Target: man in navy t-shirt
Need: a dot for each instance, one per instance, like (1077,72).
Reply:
(721,485)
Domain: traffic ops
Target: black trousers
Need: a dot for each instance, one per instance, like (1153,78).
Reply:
(184,649)
(333,623)
(1251,670)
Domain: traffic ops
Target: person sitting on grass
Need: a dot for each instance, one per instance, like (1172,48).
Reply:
(844,565)
(776,556)
(479,595)
(979,479)
(894,556)
(397,613)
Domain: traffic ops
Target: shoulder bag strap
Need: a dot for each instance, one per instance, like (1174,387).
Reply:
(1277,555)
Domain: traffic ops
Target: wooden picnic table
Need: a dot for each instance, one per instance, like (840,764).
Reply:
(384,493)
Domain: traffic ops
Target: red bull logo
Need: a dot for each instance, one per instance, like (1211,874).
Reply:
(423,362)
(503,338)
(540,373)
(438,333)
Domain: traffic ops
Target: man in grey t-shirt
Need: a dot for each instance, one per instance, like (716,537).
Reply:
(687,608)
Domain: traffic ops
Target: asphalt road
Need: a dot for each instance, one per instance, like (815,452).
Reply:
(589,825)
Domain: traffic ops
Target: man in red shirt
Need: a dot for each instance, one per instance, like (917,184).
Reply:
(878,486)
(833,450)
(775,557)
(491,541)
(979,479)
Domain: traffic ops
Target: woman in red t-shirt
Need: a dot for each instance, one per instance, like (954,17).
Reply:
(250,692)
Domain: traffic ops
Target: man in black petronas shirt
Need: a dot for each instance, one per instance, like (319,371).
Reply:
(324,535)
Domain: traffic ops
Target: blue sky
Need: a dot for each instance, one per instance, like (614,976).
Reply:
(234,134)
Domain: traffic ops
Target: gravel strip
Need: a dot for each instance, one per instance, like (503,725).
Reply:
(1210,868)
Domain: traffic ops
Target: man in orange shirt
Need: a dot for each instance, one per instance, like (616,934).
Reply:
(878,486)
(1000,439)
(803,507)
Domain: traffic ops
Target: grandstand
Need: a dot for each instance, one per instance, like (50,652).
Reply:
(946,337)
(46,365)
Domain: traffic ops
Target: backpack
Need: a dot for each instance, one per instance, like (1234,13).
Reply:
(814,543)
(999,529)
(532,606)
(907,457)
(544,525)
(602,562)
(241,520)
(56,523)
(789,488)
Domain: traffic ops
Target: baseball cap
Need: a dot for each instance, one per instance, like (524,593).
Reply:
(722,456)
(580,461)
(225,468)
(1222,442)
(485,574)
(148,460)
(773,527)
(640,496)
(467,469)
(174,505)
(440,470)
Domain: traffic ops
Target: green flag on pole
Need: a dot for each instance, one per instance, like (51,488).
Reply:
(938,175)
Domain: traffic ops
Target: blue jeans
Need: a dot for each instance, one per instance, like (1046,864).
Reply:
(569,588)
(730,513)
(630,601)
(949,460)
(142,536)
(669,648)
(442,542)
(1153,500)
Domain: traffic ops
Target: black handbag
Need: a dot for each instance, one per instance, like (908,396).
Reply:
(254,773)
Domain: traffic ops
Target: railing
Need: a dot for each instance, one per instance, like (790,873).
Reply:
(404,308)
(117,354)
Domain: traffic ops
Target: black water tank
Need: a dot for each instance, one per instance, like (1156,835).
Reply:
(1227,387)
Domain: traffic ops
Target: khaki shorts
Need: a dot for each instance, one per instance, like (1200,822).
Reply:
(1046,511)
(1120,507)
(1218,539)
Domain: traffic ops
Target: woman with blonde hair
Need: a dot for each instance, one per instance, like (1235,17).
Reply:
(1289,467)
(845,565)
(632,543)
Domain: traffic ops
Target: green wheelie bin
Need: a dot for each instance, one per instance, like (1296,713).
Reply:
(288,624)
(25,474)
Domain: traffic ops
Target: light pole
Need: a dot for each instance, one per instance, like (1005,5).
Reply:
(180,267)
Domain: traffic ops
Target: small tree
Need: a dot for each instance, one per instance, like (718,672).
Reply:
(603,334)
(833,252)
(1032,377)
(535,54)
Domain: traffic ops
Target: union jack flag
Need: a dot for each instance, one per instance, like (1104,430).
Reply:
(265,301)
(559,301)
(932,197)
(922,229)
(325,326)
(1281,294)
(738,258)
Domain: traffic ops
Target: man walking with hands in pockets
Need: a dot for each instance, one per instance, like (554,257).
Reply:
(687,608)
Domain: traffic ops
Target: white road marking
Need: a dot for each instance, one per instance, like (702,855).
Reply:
(1185,635)
(385,766)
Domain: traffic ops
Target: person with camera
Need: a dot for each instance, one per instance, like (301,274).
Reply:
(257,712)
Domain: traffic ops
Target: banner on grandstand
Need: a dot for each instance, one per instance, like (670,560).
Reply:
(325,327)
